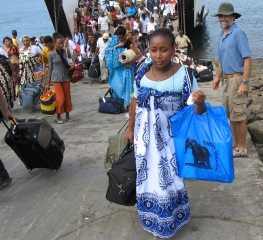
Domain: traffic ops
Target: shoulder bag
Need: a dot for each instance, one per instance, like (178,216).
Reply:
(122,179)
(115,148)
(75,74)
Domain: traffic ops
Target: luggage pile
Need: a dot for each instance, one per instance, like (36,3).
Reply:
(204,70)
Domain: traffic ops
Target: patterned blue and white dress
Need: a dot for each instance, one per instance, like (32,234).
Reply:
(120,77)
(162,198)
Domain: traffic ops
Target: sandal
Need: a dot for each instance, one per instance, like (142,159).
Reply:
(59,121)
(239,153)
(69,119)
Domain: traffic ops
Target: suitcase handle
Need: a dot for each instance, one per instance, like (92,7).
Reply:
(8,128)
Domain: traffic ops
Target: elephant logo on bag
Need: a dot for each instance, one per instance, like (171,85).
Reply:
(201,154)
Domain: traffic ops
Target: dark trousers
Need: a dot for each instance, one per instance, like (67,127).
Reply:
(3,172)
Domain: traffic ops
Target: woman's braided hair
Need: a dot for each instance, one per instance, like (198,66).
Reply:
(164,32)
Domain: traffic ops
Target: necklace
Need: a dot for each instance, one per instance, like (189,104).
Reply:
(165,76)
(22,57)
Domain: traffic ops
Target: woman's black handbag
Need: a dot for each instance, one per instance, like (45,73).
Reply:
(122,179)
(110,104)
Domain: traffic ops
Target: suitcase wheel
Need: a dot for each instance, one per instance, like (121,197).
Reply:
(30,170)
(55,170)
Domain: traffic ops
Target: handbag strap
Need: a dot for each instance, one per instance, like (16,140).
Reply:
(128,146)
(190,72)
(111,92)
(63,59)
(124,126)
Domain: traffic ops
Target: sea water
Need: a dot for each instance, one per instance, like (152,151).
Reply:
(30,17)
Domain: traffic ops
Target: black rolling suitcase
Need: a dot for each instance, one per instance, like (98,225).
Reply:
(36,143)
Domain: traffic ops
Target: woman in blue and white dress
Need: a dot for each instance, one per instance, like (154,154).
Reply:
(161,90)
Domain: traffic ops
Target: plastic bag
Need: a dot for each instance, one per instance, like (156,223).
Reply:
(203,144)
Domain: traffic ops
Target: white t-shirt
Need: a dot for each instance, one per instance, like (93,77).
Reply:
(3,52)
(151,26)
(136,26)
(35,50)
(167,9)
(102,46)
(72,46)
(104,23)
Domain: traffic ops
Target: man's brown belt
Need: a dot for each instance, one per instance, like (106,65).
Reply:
(227,76)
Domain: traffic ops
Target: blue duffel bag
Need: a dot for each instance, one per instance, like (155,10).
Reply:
(29,95)
(203,144)
(111,105)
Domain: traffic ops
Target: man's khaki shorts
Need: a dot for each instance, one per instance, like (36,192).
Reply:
(234,103)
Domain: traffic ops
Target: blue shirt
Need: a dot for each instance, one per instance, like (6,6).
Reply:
(79,39)
(144,24)
(131,11)
(232,50)
(174,83)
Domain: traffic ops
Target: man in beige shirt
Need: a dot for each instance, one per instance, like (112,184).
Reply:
(182,42)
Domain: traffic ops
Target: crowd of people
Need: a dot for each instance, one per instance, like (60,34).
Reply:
(94,24)
(162,198)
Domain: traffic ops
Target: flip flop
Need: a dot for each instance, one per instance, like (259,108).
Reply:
(239,153)
(59,121)
(69,119)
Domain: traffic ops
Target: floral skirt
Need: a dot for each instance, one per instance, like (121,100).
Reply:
(26,70)
(7,85)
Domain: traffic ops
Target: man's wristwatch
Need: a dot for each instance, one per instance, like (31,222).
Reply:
(245,81)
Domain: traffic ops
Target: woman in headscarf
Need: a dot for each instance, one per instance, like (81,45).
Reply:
(29,58)
(7,85)
(13,53)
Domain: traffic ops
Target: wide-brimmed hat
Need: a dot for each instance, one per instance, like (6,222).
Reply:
(226,9)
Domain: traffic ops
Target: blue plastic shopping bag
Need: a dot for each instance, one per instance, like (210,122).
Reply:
(203,144)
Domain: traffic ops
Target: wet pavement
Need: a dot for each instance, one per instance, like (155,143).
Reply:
(71,204)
